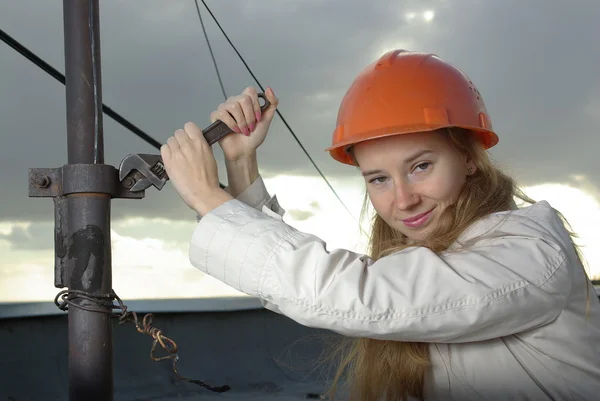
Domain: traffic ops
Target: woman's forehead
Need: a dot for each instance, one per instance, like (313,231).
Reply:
(403,145)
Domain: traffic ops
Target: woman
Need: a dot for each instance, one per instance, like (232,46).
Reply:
(463,295)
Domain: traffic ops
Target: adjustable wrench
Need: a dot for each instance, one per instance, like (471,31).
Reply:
(138,172)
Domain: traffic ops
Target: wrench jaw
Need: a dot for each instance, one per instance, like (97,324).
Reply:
(138,172)
(144,183)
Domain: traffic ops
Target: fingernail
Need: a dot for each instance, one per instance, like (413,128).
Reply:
(252,126)
(257,114)
(245,130)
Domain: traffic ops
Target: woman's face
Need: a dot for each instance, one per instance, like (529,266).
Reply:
(411,178)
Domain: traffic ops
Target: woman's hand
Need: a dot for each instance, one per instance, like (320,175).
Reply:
(242,114)
(192,169)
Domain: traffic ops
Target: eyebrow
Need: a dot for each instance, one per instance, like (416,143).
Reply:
(417,155)
(371,172)
(407,161)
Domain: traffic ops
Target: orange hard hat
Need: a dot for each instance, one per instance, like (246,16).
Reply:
(406,92)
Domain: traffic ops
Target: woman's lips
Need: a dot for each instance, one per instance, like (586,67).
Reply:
(418,220)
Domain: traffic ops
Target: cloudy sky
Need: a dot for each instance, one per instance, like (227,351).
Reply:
(535,62)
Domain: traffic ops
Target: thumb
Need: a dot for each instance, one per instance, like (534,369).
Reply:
(274,102)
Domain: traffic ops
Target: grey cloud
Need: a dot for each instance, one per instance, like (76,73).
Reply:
(35,237)
(533,61)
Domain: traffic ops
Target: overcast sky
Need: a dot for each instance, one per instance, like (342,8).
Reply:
(535,62)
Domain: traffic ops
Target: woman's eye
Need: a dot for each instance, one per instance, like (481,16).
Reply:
(422,166)
(377,180)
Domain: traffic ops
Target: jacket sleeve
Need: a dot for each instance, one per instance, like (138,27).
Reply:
(503,285)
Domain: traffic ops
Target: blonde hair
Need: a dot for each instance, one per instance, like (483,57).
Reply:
(393,370)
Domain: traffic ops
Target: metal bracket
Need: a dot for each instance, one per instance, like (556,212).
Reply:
(69,179)
(78,178)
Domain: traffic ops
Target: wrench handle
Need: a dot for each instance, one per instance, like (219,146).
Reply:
(217,130)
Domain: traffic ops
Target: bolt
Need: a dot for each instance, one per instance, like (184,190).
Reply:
(128,182)
(42,181)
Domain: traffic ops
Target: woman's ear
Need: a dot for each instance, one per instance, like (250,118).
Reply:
(471,167)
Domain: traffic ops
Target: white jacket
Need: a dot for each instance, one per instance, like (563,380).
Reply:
(505,317)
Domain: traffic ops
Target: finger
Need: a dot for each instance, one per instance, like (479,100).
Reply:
(182,138)
(248,110)
(173,143)
(222,115)
(274,102)
(194,132)
(253,94)
(235,109)
(271,98)
(165,153)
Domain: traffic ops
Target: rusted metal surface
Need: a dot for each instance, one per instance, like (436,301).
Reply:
(45,182)
(83,81)
(73,179)
(79,178)
(82,192)
(88,240)
(89,270)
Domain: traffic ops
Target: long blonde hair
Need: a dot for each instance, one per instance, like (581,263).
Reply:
(392,370)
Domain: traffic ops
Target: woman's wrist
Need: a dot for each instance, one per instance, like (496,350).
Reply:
(210,201)
(241,173)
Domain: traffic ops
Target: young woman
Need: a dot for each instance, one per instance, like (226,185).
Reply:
(463,296)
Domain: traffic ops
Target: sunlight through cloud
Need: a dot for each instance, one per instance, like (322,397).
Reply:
(428,15)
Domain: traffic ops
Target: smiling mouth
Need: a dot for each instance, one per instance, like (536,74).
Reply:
(418,220)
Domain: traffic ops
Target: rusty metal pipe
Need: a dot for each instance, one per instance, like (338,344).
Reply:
(83,81)
(88,214)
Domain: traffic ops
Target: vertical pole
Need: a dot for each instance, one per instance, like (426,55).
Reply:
(83,81)
(89,257)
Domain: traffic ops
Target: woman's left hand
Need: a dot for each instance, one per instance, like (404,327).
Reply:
(192,169)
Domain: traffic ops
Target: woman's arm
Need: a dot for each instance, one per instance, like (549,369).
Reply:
(513,279)
(241,174)
(247,186)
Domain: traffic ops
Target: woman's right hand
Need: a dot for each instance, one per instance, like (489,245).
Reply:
(242,114)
